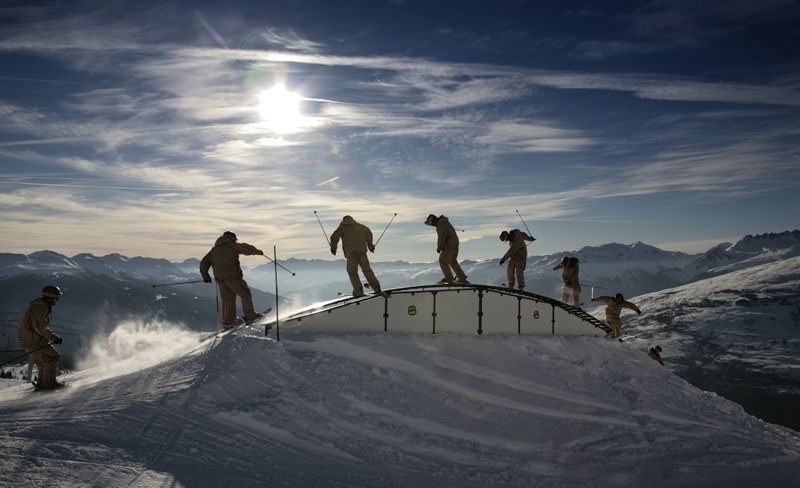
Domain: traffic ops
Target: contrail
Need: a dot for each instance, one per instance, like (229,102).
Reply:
(328,181)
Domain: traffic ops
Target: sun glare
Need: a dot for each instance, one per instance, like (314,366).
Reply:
(280,109)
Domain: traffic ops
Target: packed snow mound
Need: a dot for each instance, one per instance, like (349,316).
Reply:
(382,410)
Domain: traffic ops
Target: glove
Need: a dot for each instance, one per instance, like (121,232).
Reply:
(333,251)
(371,248)
(206,279)
(438,250)
(502,261)
(260,252)
(58,340)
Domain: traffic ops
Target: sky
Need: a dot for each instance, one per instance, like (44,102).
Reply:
(149,128)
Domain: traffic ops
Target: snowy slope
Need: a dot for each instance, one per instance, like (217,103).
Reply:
(380,410)
(737,333)
(754,310)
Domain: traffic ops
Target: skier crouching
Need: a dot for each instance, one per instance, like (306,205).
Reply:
(36,337)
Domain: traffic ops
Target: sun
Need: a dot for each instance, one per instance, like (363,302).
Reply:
(280,109)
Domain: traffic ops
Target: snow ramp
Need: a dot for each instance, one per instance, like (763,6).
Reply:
(481,309)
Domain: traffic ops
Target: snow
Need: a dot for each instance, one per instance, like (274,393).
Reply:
(154,407)
(749,311)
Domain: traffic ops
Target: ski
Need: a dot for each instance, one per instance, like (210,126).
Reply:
(59,386)
(454,282)
(363,295)
(240,323)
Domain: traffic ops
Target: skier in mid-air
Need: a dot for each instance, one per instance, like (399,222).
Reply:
(614,306)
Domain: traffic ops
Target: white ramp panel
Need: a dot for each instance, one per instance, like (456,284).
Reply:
(568,324)
(363,316)
(410,313)
(501,313)
(457,311)
(537,317)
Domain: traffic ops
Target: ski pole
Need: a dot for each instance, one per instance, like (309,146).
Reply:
(328,241)
(219,316)
(278,264)
(178,283)
(384,230)
(277,300)
(595,286)
(523,223)
(526,227)
(26,354)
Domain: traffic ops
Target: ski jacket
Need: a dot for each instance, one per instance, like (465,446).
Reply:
(570,273)
(34,330)
(356,238)
(614,308)
(653,353)
(516,245)
(447,237)
(224,258)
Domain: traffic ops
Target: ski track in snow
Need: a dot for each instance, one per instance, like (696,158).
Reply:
(381,410)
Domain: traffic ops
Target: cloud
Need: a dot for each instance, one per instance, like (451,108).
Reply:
(162,131)
(519,136)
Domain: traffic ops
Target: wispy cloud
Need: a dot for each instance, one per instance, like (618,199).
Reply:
(162,130)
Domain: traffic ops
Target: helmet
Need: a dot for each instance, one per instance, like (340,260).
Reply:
(230,234)
(431,220)
(51,291)
(618,297)
(504,235)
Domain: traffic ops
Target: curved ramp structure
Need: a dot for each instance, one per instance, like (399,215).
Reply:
(432,309)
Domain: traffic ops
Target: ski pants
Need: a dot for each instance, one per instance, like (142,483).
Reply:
(448,259)
(616,325)
(516,271)
(575,288)
(47,358)
(360,260)
(229,288)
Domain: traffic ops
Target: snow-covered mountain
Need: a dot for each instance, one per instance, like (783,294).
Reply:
(727,319)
